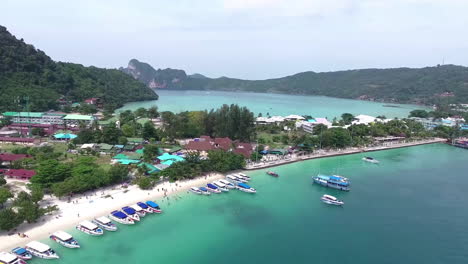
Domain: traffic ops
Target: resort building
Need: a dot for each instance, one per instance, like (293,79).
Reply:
(75,120)
(47,118)
(309,125)
(7,158)
(24,117)
(20,174)
(269,120)
(294,118)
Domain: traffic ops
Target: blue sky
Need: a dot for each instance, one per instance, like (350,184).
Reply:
(252,39)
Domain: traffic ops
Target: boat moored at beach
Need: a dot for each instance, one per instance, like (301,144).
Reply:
(21,253)
(90,228)
(138,210)
(41,250)
(196,190)
(245,188)
(370,159)
(328,199)
(8,258)
(204,191)
(272,173)
(212,188)
(154,206)
(145,207)
(333,181)
(105,223)
(64,239)
(234,179)
(120,217)
(228,184)
(131,213)
(221,186)
(243,175)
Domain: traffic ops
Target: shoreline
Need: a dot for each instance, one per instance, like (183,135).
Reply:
(87,207)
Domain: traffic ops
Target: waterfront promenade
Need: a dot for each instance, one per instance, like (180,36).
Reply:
(273,160)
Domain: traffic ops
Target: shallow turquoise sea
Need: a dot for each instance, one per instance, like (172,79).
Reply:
(410,208)
(274,104)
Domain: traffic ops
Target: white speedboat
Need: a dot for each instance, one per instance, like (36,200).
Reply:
(370,159)
(245,188)
(105,223)
(131,213)
(140,211)
(145,207)
(195,190)
(212,188)
(64,239)
(204,191)
(328,199)
(234,179)
(89,228)
(120,217)
(154,206)
(21,253)
(243,175)
(8,258)
(41,250)
(221,186)
(228,184)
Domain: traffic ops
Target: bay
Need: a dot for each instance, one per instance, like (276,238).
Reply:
(274,104)
(410,208)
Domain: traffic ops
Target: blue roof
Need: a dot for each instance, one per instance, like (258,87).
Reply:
(128,210)
(152,204)
(19,250)
(65,136)
(243,185)
(203,189)
(142,205)
(335,178)
(211,186)
(119,214)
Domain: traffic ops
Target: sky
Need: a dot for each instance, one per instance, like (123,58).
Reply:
(249,39)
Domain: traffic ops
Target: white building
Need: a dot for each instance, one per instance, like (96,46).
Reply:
(309,125)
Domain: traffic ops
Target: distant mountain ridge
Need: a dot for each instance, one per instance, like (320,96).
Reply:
(400,85)
(27,71)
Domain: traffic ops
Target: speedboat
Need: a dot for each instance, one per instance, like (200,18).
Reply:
(272,173)
(8,258)
(328,199)
(131,213)
(243,175)
(234,179)
(120,217)
(145,207)
(89,228)
(242,178)
(64,239)
(228,184)
(21,253)
(138,210)
(154,206)
(221,186)
(212,188)
(245,188)
(204,191)
(195,190)
(105,223)
(41,250)
(370,159)
(333,181)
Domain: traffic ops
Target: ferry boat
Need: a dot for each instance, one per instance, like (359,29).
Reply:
(204,191)
(234,179)
(196,190)
(145,207)
(131,213)
(212,188)
(64,239)
(120,217)
(21,253)
(154,206)
(245,188)
(272,173)
(41,250)
(89,228)
(328,199)
(105,223)
(370,159)
(138,210)
(228,184)
(333,181)
(243,175)
(221,186)
(8,258)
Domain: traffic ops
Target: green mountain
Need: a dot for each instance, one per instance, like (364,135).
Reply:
(27,71)
(448,83)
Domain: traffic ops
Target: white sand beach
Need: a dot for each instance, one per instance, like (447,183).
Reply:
(98,203)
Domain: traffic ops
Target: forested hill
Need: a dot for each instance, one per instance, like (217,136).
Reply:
(26,71)
(448,83)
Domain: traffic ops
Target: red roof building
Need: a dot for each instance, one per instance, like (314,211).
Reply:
(16,139)
(245,149)
(9,157)
(199,146)
(223,143)
(20,174)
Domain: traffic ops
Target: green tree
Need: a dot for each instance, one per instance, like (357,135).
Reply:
(149,131)
(141,112)
(150,152)
(128,130)
(49,172)
(118,173)
(419,113)
(153,112)
(9,219)
(5,194)
(2,181)
(347,118)
(145,183)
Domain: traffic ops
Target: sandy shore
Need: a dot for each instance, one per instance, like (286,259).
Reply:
(96,204)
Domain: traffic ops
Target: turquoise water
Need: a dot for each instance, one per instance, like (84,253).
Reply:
(274,104)
(411,208)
